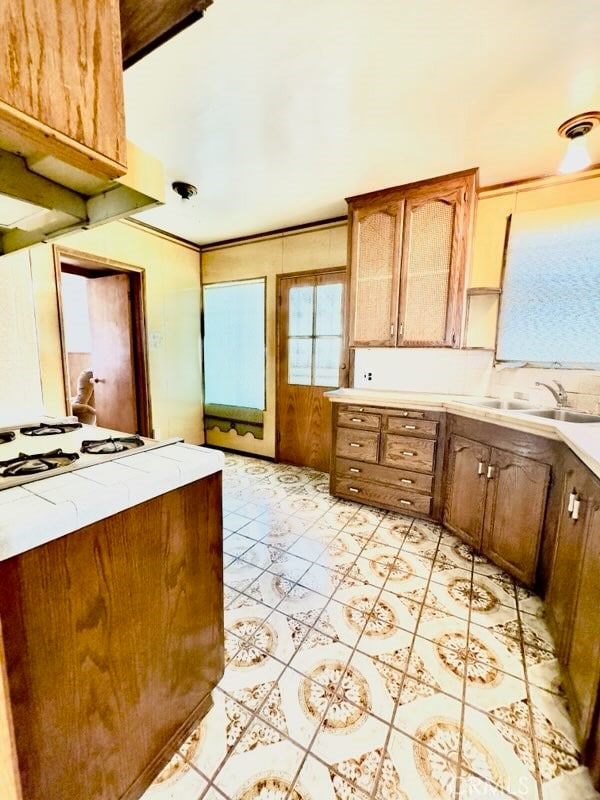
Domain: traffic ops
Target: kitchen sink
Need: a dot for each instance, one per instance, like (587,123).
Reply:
(563,415)
(504,405)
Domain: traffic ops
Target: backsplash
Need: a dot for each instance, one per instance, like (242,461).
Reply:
(581,385)
(438,370)
(471,372)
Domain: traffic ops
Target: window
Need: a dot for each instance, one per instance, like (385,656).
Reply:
(315,334)
(550,307)
(234,355)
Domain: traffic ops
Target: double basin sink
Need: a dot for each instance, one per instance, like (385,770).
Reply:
(560,414)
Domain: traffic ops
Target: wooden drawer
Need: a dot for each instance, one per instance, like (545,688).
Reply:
(401,478)
(411,427)
(405,412)
(357,419)
(367,492)
(357,444)
(408,452)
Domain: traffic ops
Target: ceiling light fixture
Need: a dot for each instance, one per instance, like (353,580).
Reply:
(184,190)
(577,156)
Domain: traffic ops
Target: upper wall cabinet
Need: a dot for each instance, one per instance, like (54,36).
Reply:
(61,89)
(409,246)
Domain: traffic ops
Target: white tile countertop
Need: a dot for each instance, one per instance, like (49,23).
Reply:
(37,512)
(582,438)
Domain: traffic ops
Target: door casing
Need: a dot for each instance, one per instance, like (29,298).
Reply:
(85,264)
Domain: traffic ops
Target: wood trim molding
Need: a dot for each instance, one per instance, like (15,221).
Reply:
(82,263)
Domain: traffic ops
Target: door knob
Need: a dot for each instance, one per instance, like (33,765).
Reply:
(99,380)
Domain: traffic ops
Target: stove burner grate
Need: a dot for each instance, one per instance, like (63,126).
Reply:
(31,464)
(6,436)
(116,444)
(48,429)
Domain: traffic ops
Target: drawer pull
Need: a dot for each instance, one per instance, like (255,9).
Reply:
(405,413)
(354,469)
(406,480)
(353,490)
(405,503)
(356,419)
(355,444)
(480,467)
(410,427)
(408,453)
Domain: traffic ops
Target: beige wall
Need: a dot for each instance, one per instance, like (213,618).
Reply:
(20,385)
(323,248)
(172,278)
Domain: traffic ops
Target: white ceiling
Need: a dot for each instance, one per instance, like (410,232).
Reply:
(278,109)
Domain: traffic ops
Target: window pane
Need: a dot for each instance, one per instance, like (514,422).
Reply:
(550,308)
(327,361)
(329,310)
(299,361)
(234,344)
(300,311)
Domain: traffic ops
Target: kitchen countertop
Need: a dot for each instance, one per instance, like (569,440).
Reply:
(582,438)
(37,512)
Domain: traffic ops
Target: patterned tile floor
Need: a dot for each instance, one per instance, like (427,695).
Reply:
(370,655)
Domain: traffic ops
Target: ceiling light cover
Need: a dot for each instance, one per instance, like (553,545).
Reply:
(577,156)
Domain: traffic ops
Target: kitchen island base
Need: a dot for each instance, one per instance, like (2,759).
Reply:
(113,641)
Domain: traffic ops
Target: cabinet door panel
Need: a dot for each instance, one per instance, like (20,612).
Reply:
(566,565)
(426,267)
(583,663)
(374,271)
(515,508)
(466,490)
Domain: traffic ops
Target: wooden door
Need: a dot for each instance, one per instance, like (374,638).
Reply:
(567,561)
(431,274)
(376,234)
(466,489)
(514,515)
(310,342)
(583,663)
(112,352)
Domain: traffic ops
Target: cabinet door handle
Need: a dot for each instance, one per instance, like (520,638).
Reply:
(354,469)
(576,507)
(572,498)
(405,503)
(408,453)
(490,472)
(406,480)
(355,444)
(353,490)
(357,419)
(410,427)
(480,467)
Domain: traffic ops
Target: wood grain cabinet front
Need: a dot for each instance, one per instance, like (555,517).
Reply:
(496,502)
(409,246)
(61,89)
(573,598)
(388,458)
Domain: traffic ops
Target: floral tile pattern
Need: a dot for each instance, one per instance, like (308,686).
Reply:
(371,656)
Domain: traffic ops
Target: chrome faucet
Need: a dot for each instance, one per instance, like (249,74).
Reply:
(559,394)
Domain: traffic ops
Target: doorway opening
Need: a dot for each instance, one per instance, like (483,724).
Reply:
(103,340)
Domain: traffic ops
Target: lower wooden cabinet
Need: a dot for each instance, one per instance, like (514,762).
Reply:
(388,457)
(496,501)
(573,598)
